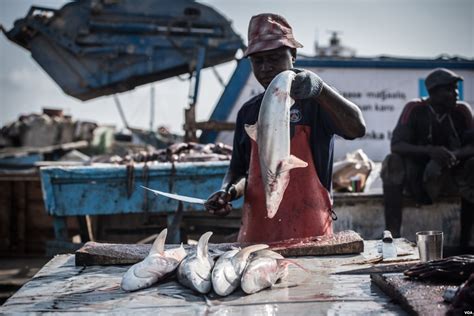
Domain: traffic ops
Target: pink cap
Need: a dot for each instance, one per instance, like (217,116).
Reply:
(268,31)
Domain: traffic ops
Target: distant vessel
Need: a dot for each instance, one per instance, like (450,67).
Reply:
(335,48)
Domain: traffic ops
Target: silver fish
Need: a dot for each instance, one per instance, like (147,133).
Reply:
(154,267)
(272,135)
(194,272)
(265,268)
(229,267)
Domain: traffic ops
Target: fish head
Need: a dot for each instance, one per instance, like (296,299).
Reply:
(147,272)
(130,282)
(195,273)
(260,273)
(278,182)
(275,191)
(225,279)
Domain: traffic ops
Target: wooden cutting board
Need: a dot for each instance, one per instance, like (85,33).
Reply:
(417,297)
(345,242)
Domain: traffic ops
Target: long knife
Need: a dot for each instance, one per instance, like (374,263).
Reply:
(388,268)
(177,196)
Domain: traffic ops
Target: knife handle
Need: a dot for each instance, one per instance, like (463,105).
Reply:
(387,236)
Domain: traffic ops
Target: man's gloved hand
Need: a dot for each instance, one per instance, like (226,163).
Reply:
(306,84)
(218,202)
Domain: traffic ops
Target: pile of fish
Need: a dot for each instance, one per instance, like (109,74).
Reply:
(49,128)
(253,268)
(178,152)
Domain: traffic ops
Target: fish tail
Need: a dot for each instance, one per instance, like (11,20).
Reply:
(286,262)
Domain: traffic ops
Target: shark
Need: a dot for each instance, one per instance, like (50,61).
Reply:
(229,268)
(157,265)
(195,270)
(272,135)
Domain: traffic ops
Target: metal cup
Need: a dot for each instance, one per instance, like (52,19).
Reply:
(430,245)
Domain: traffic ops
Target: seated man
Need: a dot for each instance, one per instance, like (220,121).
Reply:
(432,151)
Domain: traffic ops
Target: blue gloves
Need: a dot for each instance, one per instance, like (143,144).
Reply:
(306,85)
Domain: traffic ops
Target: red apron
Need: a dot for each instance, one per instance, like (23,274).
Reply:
(305,210)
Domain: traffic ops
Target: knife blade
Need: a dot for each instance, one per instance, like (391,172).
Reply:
(388,268)
(177,196)
(389,250)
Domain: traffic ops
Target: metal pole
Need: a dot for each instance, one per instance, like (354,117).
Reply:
(190,113)
(152,107)
(199,65)
(119,107)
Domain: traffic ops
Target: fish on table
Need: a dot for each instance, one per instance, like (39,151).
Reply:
(158,264)
(272,135)
(264,270)
(229,267)
(194,271)
(253,268)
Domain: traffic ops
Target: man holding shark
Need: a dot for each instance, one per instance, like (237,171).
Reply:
(319,113)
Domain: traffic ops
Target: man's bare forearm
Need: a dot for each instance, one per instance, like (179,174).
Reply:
(346,115)
(403,148)
(443,156)
(465,152)
(237,181)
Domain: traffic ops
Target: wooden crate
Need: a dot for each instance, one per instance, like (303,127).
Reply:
(24,224)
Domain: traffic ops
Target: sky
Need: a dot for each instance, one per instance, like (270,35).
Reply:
(400,28)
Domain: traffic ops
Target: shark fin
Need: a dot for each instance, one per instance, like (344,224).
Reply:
(202,247)
(243,254)
(251,131)
(180,253)
(159,243)
(291,163)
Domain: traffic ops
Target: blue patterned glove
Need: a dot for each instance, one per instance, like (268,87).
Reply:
(306,84)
